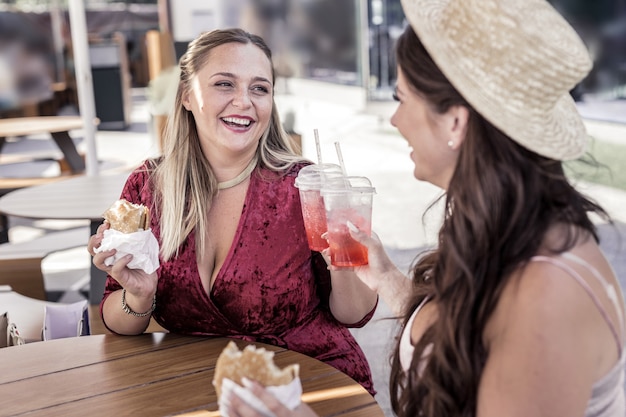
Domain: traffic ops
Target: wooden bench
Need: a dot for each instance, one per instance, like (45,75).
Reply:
(57,126)
(20,263)
(11,184)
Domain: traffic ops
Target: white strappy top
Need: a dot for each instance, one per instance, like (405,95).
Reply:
(406,348)
(607,398)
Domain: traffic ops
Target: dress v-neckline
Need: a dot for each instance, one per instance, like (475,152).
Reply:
(229,256)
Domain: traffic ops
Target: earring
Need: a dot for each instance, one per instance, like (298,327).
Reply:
(450,144)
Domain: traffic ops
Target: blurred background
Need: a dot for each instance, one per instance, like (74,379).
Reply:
(348,42)
(335,65)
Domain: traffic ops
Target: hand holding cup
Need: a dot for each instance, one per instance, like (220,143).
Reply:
(347,200)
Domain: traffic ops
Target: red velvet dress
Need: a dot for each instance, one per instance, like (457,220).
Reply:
(271,288)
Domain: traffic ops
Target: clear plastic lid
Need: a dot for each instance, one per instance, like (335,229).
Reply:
(313,176)
(341,185)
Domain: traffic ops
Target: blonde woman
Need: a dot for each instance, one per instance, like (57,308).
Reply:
(234,255)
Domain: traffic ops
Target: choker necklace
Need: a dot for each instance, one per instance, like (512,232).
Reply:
(239,178)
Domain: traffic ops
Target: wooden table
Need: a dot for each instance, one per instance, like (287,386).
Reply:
(149,375)
(57,126)
(84,197)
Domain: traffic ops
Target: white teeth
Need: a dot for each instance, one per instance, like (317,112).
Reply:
(236,120)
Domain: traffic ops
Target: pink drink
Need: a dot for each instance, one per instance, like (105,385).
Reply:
(347,199)
(314,219)
(345,251)
(309,181)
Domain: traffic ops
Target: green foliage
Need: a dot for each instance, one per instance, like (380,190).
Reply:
(605,165)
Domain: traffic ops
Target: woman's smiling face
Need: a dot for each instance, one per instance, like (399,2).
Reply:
(231,99)
(429,134)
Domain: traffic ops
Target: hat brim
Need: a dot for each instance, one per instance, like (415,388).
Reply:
(556,131)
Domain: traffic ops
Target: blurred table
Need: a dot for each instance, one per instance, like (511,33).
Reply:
(57,126)
(151,375)
(83,197)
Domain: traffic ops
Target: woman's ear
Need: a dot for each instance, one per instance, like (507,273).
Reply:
(186,102)
(457,118)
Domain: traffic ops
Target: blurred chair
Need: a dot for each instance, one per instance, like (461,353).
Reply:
(20,263)
(27,313)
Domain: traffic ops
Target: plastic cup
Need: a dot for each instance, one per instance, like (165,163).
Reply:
(347,199)
(309,181)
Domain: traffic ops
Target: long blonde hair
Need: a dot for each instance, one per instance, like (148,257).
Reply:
(185,184)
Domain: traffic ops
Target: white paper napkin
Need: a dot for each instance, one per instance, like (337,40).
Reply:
(142,245)
(290,395)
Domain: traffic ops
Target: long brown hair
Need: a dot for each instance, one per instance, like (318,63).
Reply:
(500,202)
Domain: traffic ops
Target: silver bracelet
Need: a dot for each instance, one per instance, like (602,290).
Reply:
(130,311)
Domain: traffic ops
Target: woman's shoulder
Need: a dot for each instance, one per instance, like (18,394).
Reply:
(547,330)
(146,168)
(138,182)
(150,164)
(295,168)
(539,285)
(549,295)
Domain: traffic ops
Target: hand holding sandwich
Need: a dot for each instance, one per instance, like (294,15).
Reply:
(248,383)
(135,281)
(130,234)
(236,406)
(139,288)
(122,240)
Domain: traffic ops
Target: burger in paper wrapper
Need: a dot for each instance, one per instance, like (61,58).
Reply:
(130,233)
(127,217)
(255,364)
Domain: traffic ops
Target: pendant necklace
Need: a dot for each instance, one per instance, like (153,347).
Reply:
(239,178)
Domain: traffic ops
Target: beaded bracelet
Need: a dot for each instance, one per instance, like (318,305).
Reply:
(130,311)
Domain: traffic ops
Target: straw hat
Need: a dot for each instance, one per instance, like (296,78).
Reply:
(515,62)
